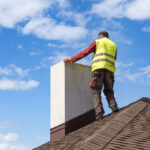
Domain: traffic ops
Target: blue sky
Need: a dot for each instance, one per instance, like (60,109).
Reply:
(36,34)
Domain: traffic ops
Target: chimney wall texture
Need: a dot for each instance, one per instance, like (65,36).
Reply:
(71,98)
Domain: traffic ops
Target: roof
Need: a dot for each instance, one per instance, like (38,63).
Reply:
(127,129)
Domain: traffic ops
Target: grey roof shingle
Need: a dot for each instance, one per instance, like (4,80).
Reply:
(127,129)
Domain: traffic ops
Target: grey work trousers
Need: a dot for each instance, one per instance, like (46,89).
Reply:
(99,78)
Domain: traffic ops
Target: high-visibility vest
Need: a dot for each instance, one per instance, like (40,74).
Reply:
(104,56)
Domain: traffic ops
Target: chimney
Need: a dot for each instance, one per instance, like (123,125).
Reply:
(71,105)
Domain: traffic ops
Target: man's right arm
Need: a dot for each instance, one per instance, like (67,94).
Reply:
(85,52)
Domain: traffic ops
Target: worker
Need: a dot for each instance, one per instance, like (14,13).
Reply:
(102,73)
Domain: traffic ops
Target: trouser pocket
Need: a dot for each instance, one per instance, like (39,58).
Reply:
(95,80)
(93,83)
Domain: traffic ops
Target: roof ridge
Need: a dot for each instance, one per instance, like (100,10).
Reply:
(114,126)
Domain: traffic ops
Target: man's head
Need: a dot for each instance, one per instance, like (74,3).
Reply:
(103,34)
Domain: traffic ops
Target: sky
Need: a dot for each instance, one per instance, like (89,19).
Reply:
(36,34)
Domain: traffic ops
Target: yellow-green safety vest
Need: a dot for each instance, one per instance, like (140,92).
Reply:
(104,56)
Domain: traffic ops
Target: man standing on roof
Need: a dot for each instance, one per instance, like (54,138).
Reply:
(103,68)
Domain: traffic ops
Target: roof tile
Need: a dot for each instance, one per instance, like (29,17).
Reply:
(128,129)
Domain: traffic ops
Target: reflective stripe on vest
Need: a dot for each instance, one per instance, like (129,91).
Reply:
(103,59)
(101,54)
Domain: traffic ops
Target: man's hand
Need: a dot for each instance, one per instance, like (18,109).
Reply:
(67,60)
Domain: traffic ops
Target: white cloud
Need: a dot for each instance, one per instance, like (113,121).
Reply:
(133,9)
(47,28)
(13,70)
(124,65)
(6,124)
(10,137)
(32,14)
(35,53)
(41,138)
(146,29)
(108,8)
(5,71)
(115,29)
(146,69)
(63,3)
(51,45)
(118,36)
(111,24)
(138,9)
(19,46)
(148,75)
(80,19)
(73,45)
(58,56)
(134,77)
(15,11)
(64,45)
(37,67)
(124,71)
(17,83)
(7,142)
(19,70)
(9,84)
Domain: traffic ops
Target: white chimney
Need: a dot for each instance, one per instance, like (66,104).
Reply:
(71,98)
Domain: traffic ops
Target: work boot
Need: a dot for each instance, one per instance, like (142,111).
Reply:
(114,108)
(99,116)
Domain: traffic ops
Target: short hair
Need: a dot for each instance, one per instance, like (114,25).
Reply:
(104,33)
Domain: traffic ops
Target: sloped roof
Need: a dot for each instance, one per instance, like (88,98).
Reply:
(127,129)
